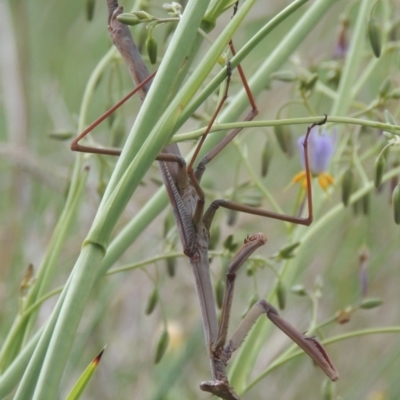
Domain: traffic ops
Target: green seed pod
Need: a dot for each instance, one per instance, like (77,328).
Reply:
(266,157)
(89,6)
(287,251)
(375,36)
(171,264)
(281,295)
(61,134)
(380,165)
(284,137)
(219,293)
(368,304)
(299,290)
(152,301)
(347,186)
(129,19)
(284,76)
(396,204)
(151,46)
(162,346)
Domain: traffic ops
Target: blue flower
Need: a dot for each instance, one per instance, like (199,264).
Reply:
(321,147)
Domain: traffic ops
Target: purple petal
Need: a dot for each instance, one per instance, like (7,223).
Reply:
(320,150)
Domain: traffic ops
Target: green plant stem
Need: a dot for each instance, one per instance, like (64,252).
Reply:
(15,370)
(287,121)
(85,271)
(21,331)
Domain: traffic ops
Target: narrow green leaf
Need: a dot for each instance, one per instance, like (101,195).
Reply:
(84,379)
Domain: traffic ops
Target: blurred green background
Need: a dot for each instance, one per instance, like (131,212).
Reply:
(47,52)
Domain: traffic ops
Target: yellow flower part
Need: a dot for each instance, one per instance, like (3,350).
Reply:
(324,179)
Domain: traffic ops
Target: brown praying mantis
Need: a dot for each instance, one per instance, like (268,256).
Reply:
(182,182)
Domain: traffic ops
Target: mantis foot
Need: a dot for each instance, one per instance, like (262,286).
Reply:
(220,389)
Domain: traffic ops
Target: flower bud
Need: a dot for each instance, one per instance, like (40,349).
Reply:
(284,76)
(380,164)
(89,6)
(284,137)
(299,290)
(151,46)
(252,200)
(347,186)
(375,36)
(281,295)
(143,15)
(287,251)
(266,157)
(171,264)
(129,19)
(368,304)
(152,301)
(396,204)
(61,134)
(162,346)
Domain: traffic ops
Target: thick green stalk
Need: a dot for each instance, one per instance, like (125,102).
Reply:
(11,345)
(85,271)
(11,377)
